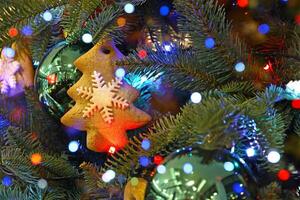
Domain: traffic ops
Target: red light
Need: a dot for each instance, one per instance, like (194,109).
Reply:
(13,32)
(297,19)
(283,175)
(52,78)
(112,150)
(243,3)
(267,67)
(143,54)
(296,104)
(158,159)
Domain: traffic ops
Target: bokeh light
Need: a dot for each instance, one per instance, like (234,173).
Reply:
(13,32)
(196,97)
(296,104)
(209,43)
(134,181)
(273,157)
(146,144)
(42,183)
(240,67)
(158,159)
(238,188)
(108,176)
(161,169)
(8,52)
(129,8)
(144,161)
(47,16)
(164,10)
(283,175)
(121,21)
(142,54)
(120,73)
(188,168)
(7,181)
(250,152)
(263,29)
(73,146)
(229,166)
(27,31)
(243,3)
(36,158)
(87,38)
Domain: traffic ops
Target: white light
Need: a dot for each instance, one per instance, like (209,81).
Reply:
(188,168)
(161,169)
(144,79)
(120,73)
(240,67)
(8,52)
(108,176)
(73,146)
(196,97)
(47,16)
(229,166)
(273,157)
(42,183)
(129,8)
(168,47)
(250,152)
(87,38)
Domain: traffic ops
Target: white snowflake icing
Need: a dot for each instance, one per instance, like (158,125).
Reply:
(103,97)
(8,69)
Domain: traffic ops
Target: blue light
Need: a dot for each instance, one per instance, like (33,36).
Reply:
(240,67)
(7,181)
(284,1)
(229,166)
(73,146)
(129,8)
(164,10)
(47,16)
(238,188)
(209,43)
(146,144)
(144,161)
(188,168)
(120,73)
(9,52)
(27,31)
(167,46)
(264,29)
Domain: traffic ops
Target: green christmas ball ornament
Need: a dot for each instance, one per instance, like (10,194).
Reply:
(55,74)
(195,173)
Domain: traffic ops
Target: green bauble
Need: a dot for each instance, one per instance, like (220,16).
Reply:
(56,74)
(194,173)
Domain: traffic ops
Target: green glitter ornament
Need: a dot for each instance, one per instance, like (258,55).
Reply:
(56,74)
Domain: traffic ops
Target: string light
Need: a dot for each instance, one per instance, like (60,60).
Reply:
(73,146)
(87,38)
(240,67)
(296,104)
(8,52)
(27,31)
(164,10)
(273,157)
(42,183)
(229,166)
(238,188)
(36,158)
(161,169)
(129,8)
(142,54)
(250,152)
(112,150)
(158,159)
(243,3)
(283,175)
(264,29)
(47,16)
(167,47)
(13,32)
(52,79)
(188,168)
(120,73)
(146,144)
(196,97)
(144,161)
(121,21)
(7,181)
(108,176)
(209,43)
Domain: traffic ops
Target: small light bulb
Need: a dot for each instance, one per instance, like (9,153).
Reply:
(8,52)
(188,168)
(87,38)
(120,73)
(250,152)
(108,176)
(229,166)
(42,183)
(161,169)
(47,16)
(240,67)
(73,146)
(146,144)
(129,8)
(273,157)
(196,97)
